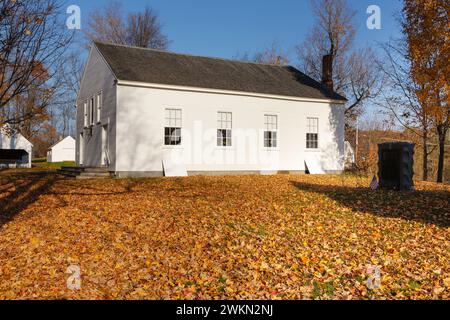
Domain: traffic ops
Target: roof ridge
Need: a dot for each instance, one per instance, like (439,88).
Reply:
(61,140)
(192,55)
(202,72)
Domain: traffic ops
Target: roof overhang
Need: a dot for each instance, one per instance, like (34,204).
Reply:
(224,92)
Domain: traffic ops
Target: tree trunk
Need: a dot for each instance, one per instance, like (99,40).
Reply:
(425,158)
(441,134)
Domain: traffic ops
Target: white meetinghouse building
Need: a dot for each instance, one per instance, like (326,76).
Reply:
(144,112)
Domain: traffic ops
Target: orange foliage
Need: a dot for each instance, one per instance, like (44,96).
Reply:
(427,29)
(247,237)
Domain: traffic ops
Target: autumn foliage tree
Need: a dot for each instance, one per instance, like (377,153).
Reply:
(30,108)
(33,39)
(46,136)
(426,27)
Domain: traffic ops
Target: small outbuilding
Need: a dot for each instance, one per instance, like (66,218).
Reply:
(64,150)
(15,150)
(349,155)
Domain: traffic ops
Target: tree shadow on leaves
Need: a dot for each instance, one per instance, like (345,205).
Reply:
(72,187)
(21,189)
(426,206)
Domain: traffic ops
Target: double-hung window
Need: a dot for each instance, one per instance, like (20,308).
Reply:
(99,106)
(172,130)
(92,111)
(270,131)
(224,127)
(85,110)
(312,133)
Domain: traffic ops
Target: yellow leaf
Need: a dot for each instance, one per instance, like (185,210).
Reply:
(447,282)
(34,241)
(304,259)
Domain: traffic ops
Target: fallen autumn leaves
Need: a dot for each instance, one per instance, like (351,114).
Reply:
(258,237)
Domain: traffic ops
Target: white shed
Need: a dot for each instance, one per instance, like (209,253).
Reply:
(349,155)
(64,150)
(15,150)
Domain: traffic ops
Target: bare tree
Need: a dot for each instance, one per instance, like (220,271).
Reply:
(332,34)
(400,99)
(273,54)
(141,29)
(354,73)
(144,30)
(363,80)
(107,24)
(33,39)
(70,79)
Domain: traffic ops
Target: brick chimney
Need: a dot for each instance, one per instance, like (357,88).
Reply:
(327,71)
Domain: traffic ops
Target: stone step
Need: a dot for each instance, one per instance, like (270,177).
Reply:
(94,174)
(80,177)
(96,170)
(85,172)
(71,169)
(68,173)
(85,169)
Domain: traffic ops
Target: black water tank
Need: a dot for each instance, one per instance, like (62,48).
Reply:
(395,165)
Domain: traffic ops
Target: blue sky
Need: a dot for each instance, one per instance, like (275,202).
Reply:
(226,28)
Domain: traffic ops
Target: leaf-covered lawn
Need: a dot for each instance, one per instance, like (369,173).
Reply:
(250,237)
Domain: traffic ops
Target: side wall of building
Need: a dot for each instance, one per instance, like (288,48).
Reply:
(141,116)
(63,151)
(98,78)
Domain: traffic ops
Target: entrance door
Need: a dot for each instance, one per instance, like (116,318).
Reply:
(105,146)
(81,155)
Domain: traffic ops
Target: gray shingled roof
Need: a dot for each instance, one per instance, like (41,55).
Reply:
(161,67)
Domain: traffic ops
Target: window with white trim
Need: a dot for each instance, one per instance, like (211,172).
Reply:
(270,131)
(224,127)
(312,133)
(85,109)
(99,106)
(92,110)
(172,130)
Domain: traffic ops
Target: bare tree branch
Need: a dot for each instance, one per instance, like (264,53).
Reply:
(354,73)
(33,39)
(141,29)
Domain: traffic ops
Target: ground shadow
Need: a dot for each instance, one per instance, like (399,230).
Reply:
(72,186)
(18,190)
(432,207)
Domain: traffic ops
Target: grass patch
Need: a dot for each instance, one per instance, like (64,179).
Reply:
(43,164)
